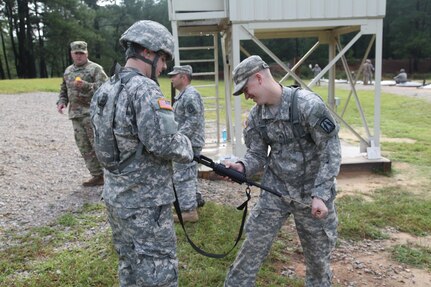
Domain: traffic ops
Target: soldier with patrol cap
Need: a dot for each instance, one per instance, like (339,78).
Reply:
(80,81)
(300,159)
(189,113)
(139,197)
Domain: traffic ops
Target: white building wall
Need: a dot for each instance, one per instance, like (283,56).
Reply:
(275,10)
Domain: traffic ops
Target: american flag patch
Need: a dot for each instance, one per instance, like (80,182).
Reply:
(165,104)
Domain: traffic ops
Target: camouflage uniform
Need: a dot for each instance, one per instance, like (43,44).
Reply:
(189,113)
(401,77)
(316,70)
(79,108)
(368,72)
(139,198)
(300,168)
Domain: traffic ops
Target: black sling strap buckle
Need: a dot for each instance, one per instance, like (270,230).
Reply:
(243,206)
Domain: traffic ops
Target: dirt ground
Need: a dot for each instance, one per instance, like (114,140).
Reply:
(41,173)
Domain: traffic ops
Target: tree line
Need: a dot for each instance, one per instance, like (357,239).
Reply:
(35,34)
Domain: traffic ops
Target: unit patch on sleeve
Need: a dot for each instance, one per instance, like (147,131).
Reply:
(165,104)
(327,125)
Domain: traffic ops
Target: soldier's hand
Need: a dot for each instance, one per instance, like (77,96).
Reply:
(79,83)
(60,108)
(318,208)
(233,165)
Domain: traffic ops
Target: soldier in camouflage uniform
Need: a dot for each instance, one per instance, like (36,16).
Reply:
(140,197)
(301,168)
(189,113)
(367,72)
(80,81)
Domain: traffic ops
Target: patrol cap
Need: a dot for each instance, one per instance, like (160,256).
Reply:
(244,70)
(78,46)
(187,69)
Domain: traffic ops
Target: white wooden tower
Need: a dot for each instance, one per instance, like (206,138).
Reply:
(326,21)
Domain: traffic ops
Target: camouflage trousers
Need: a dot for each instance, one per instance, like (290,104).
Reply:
(367,79)
(84,139)
(186,184)
(318,238)
(145,241)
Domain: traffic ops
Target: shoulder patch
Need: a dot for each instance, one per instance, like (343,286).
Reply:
(327,125)
(164,104)
(191,109)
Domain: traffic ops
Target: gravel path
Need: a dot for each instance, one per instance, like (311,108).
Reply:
(41,169)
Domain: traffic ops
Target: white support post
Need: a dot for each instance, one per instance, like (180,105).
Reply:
(331,72)
(238,146)
(176,42)
(373,152)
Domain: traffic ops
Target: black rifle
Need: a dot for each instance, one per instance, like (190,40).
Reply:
(235,175)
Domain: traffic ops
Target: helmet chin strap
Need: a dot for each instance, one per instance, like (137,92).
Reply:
(153,63)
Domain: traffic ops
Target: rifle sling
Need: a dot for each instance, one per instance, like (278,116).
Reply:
(243,206)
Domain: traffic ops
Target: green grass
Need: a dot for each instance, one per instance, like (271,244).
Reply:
(413,255)
(30,85)
(67,254)
(63,254)
(364,218)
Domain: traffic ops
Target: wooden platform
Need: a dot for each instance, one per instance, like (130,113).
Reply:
(352,160)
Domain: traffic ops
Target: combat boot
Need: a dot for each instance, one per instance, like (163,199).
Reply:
(94,181)
(188,216)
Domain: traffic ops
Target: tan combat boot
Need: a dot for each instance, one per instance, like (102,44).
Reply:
(94,181)
(188,216)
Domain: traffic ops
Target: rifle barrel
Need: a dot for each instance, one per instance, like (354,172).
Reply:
(266,188)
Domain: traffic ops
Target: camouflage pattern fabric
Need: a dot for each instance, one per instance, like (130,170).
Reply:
(186,69)
(367,72)
(244,70)
(139,199)
(145,241)
(79,104)
(84,139)
(299,168)
(144,115)
(79,100)
(78,46)
(151,35)
(189,113)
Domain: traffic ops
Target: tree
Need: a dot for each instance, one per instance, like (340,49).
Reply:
(407,30)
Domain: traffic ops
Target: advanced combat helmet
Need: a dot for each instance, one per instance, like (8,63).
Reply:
(150,35)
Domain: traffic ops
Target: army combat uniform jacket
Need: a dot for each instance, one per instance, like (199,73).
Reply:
(298,167)
(79,100)
(144,115)
(189,113)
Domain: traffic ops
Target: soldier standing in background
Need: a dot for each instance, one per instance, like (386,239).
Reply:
(80,81)
(139,196)
(302,164)
(367,72)
(189,113)
(316,70)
